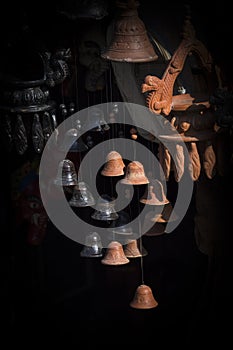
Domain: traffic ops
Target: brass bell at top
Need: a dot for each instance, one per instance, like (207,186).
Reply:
(130,42)
(66,174)
(135,174)
(114,165)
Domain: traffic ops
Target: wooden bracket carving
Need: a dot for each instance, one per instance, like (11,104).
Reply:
(159,100)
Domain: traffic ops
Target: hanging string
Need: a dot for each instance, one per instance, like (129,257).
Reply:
(79,158)
(140,240)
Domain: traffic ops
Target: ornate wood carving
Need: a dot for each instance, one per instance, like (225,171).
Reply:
(159,100)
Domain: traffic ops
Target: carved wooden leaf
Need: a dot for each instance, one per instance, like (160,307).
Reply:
(209,161)
(195,166)
(178,165)
(165,160)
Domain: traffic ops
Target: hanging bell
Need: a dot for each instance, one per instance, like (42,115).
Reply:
(66,174)
(115,255)
(105,210)
(132,250)
(114,165)
(156,229)
(93,246)
(95,120)
(143,298)
(130,42)
(72,137)
(154,194)
(135,174)
(81,197)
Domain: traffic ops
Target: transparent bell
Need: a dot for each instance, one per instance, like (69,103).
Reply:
(73,139)
(66,174)
(82,196)
(95,120)
(93,246)
(105,209)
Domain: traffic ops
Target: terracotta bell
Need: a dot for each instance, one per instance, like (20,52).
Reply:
(115,255)
(154,194)
(105,209)
(135,174)
(143,298)
(166,215)
(66,174)
(132,250)
(130,42)
(93,246)
(155,229)
(82,196)
(114,165)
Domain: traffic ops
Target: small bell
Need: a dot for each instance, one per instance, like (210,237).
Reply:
(143,298)
(105,210)
(93,246)
(114,165)
(81,197)
(95,120)
(66,175)
(72,137)
(154,194)
(135,174)
(131,249)
(115,255)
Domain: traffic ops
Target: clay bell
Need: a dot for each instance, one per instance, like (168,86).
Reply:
(66,174)
(155,229)
(130,42)
(154,194)
(135,174)
(114,165)
(115,255)
(143,298)
(82,196)
(105,209)
(132,250)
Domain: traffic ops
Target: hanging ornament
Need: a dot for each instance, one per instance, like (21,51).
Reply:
(130,42)
(82,196)
(143,298)
(114,255)
(154,194)
(66,174)
(93,246)
(114,165)
(135,174)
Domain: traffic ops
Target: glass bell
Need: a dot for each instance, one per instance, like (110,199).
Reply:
(105,210)
(81,197)
(93,246)
(66,174)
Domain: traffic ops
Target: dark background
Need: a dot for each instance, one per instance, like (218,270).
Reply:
(50,296)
